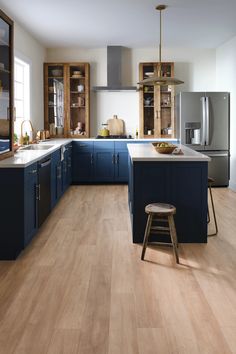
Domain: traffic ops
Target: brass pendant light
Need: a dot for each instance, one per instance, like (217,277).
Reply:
(158,79)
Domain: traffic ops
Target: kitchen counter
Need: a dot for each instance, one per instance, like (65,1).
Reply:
(23,158)
(147,152)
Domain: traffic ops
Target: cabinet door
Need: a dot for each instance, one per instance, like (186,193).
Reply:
(104,166)
(121,166)
(82,156)
(6,86)
(31,177)
(78,99)
(147,102)
(54,175)
(54,98)
(59,186)
(82,167)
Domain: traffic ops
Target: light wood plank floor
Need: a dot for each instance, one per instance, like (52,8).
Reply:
(80,286)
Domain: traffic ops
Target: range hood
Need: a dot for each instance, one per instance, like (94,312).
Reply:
(116,71)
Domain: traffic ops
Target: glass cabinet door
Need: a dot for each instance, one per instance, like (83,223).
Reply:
(78,99)
(167,104)
(6,97)
(54,110)
(156,103)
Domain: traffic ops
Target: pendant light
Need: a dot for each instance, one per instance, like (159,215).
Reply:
(158,79)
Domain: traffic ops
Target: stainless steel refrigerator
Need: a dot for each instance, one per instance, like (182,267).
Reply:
(203,123)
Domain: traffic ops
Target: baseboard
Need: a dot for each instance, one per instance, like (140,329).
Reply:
(232,186)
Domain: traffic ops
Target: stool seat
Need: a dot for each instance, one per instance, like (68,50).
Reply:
(164,213)
(160,209)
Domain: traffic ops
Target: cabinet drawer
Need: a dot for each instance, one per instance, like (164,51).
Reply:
(104,145)
(122,145)
(86,146)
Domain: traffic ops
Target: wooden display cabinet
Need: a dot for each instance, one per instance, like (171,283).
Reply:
(66,99)
(156,103)
(6,86)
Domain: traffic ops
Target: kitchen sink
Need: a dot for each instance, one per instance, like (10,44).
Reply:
(37,147)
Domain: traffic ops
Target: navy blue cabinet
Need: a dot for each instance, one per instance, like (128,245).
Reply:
(30,205)
(82,162)
(104,161)
(56,188)
(100,162)
(67,167)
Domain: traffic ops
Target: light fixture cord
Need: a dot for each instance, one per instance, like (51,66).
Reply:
(160,48)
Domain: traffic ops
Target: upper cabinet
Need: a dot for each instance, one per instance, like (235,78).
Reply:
(66,99)
(156,103)
(6,86)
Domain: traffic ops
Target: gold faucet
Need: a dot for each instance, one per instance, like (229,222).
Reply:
(21,131)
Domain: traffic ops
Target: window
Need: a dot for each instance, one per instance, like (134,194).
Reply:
(22,93)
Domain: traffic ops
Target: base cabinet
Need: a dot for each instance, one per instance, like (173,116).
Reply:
(82,165)
(100,162)
(30,206)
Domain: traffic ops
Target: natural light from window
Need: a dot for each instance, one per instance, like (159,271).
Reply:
(21,93)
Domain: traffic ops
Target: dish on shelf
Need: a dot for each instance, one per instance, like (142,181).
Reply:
(149,73)
(164,147)
(76,76)
(76,72)
(56,72)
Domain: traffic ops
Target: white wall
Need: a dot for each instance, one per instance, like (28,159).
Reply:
(197,67)
(30,50)
(225,81)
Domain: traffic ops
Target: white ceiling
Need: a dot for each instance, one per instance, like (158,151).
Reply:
(131,23)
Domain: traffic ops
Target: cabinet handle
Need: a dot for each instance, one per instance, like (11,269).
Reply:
(38,191)
(91,159)
(69,162)
(33,172)
(113,159)
(59,172)
(156,114)
(116,159)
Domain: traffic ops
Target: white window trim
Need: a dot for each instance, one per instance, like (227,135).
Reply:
(19,59)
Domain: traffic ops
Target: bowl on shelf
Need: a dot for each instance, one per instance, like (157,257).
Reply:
(56,72)
(164,147)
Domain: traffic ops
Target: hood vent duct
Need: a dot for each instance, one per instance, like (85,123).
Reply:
(116,65)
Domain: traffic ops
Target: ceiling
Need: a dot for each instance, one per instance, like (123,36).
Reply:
(130,23)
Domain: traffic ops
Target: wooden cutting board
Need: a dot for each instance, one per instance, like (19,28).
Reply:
(116,126)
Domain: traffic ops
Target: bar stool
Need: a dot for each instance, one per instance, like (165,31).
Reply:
(160,212)
(210,181)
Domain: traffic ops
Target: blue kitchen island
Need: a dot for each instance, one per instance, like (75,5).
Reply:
(180,180)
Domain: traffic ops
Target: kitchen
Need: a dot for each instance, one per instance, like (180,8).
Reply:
(87,236)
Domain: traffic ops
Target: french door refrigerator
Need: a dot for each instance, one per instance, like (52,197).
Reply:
(203,124)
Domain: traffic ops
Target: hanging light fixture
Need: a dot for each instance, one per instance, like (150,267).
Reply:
(158,79)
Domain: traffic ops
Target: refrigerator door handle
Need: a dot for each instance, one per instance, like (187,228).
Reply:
(203,140)
(207,131)
(218,155)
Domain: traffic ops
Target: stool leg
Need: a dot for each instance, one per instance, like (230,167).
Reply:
(146,235)
(214,215)
(173,236)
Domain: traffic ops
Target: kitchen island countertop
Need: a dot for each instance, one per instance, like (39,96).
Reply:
(147,152)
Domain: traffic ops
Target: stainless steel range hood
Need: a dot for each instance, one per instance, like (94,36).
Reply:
(116,73)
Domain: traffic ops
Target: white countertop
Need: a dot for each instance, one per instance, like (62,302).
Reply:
(23,158)
(147,152)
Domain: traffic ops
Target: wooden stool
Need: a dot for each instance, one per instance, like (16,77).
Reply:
(210,181)
(163,213)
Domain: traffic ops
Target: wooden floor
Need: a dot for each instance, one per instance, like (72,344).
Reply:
(80,287)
